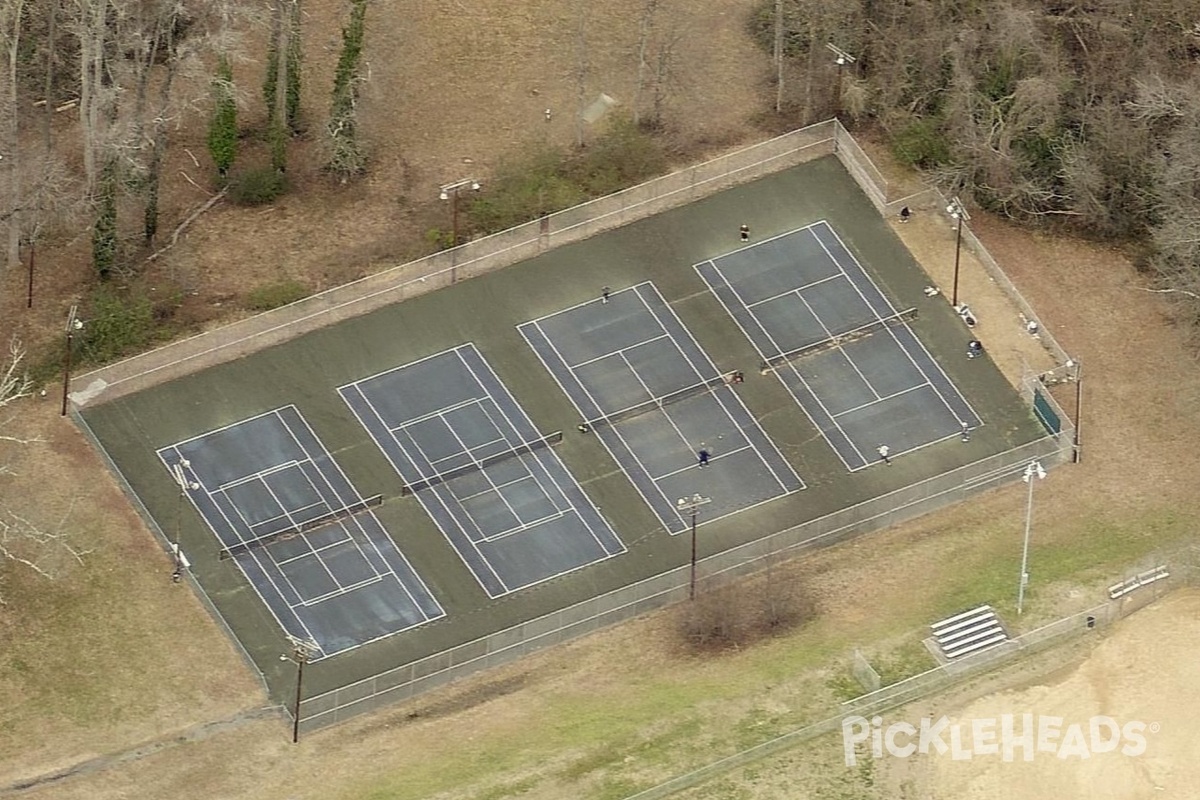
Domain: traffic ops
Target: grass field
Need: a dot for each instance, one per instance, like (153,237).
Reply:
(113,656)
(582,720)
(486,311)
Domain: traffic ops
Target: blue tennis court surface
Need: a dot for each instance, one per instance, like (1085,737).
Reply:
(641,382)
(848,357)
(305,539)
(472,457)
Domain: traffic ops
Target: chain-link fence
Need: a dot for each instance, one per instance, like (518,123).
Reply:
(670,587)
(523,242)
(871,181)
(1182,566)
(469,260)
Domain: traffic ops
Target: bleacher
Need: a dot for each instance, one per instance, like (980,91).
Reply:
(968,632)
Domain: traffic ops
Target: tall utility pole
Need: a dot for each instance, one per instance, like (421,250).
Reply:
(74,323)
(450,192)
(691,505)
(959,214)
(841,59)
(1034,469)
(303,651)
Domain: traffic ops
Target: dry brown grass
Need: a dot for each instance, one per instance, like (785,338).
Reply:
(115,655)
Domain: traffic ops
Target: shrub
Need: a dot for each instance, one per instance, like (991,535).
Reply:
(624,156)
(117,324)
(274,295)
(258,186)
(921,144)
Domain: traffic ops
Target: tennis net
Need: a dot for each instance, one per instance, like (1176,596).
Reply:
(658,403)
(842,339)
(307,526)
(476,466)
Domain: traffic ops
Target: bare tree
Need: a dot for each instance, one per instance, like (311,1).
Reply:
(41,548)
(582,66)
(645,31)
(96,92)
(11,19)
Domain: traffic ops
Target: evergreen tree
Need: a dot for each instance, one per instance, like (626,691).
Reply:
(222,128)
(104,231)
(346,157)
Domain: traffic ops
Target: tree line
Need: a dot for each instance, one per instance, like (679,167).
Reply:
(1085,114)
(116,66)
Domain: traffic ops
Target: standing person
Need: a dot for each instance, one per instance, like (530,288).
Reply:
(905,214)
(604,293)
(883,454)
(703,456)
(745,232)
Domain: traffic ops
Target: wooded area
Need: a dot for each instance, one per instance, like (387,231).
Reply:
(1083,115)
(1087,114)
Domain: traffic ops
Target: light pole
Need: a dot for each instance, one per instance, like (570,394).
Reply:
(450,192)
(74,323)
(685,505)
(841,58)
(302,652)
(1034,469)
(184,484)
(958,213)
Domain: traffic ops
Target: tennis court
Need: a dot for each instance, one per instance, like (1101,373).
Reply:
(848,356)
(472,457)
(308,543)
(655,399)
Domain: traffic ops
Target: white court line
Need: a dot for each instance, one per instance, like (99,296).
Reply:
(278,517)
(688,445)
(439,414)
(413,574)
(796,290)
(764,356)
(777,236)
(238,424)
(403,451)
(522,524)
(582,388)
(713,459)
(511,424)
(264,565)
(330,507)
(833,338)
(524,416)
(766,360)
(503,416)
(443,417)
(891,396)
(460,523)
(340,591)
(254,553)
(358,521)
(619,351)
(528,526)
(296,527)
(720,396)
(920,344)
(257,475)
(482,471)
